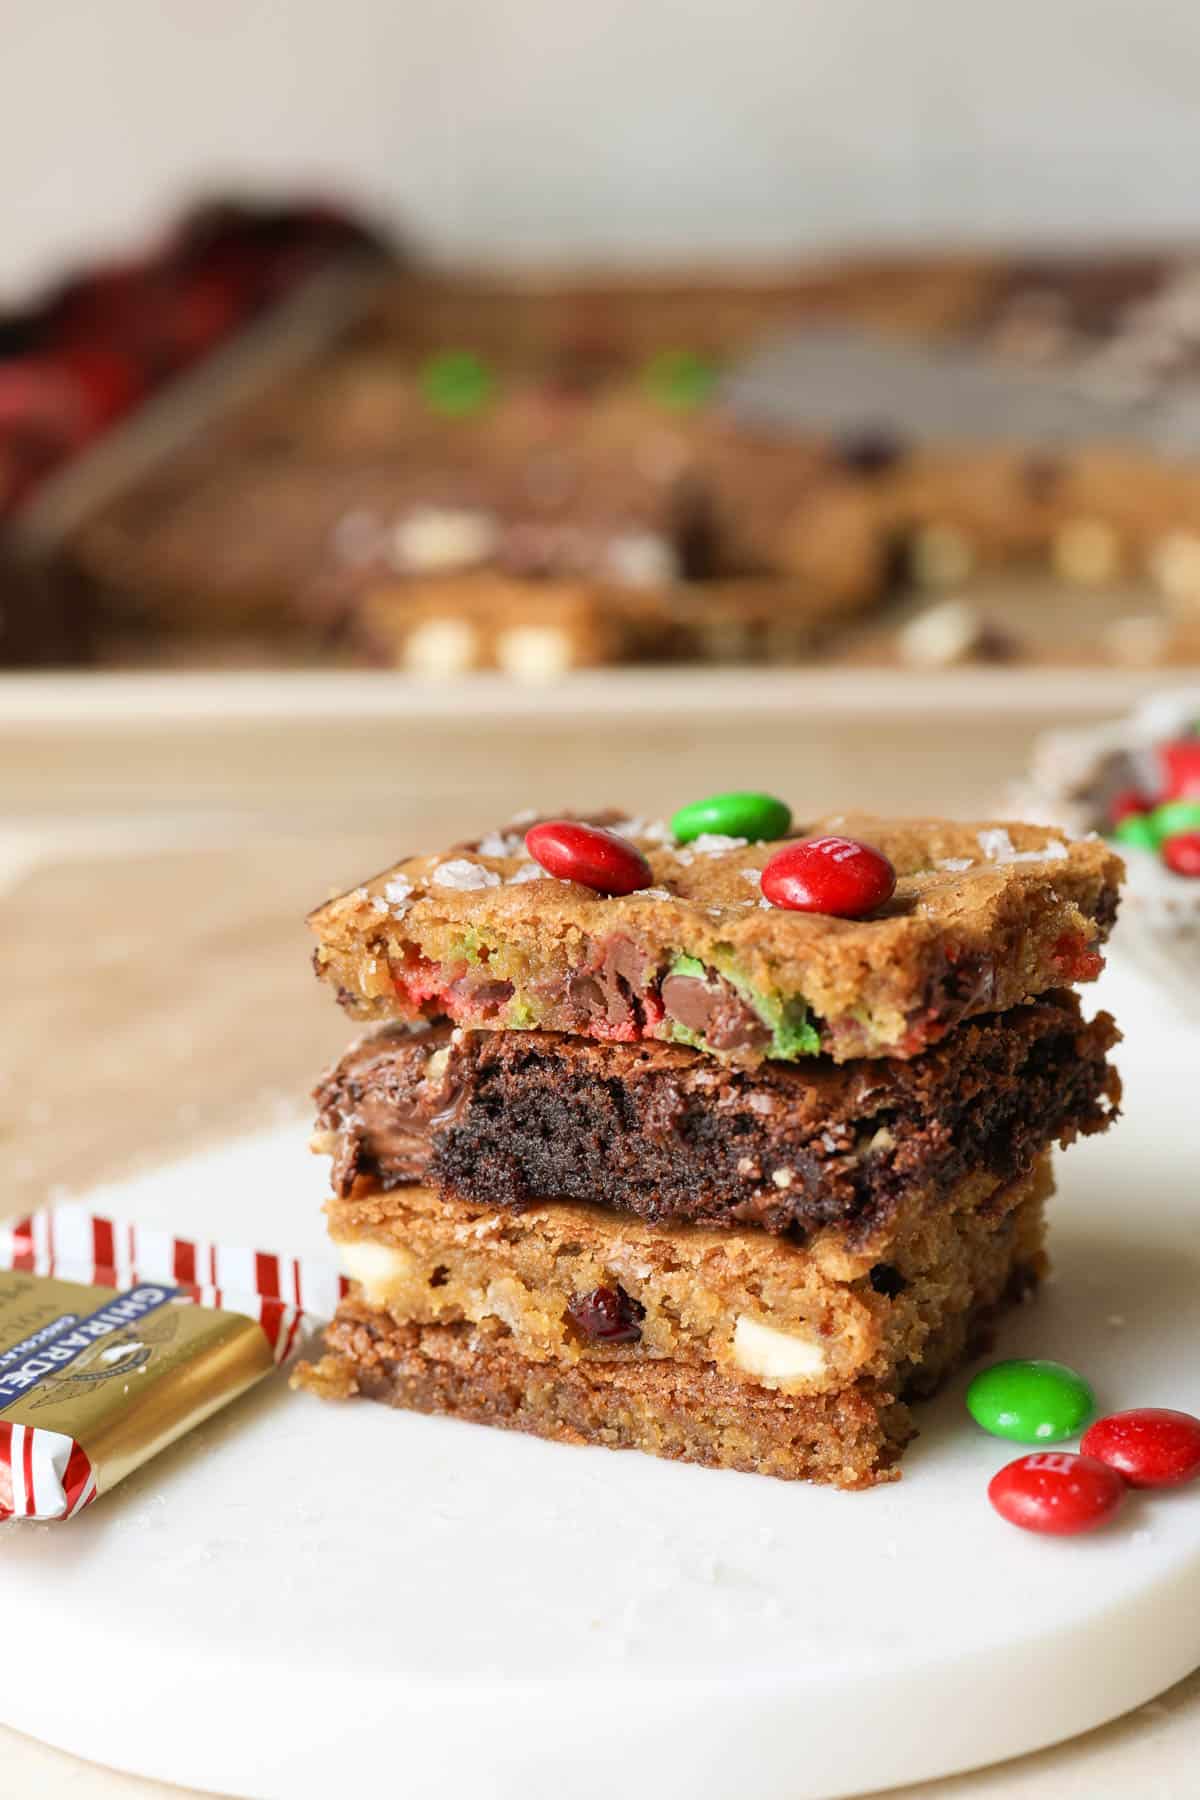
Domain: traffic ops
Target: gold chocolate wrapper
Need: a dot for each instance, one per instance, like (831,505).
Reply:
(96,1378)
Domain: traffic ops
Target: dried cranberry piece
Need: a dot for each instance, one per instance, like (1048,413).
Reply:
(607,1315)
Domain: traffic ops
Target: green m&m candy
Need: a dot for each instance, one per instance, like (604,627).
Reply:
(456,382)
(1137,830)
(1031,1402)
(680,379)
(1174,817)
(757,817)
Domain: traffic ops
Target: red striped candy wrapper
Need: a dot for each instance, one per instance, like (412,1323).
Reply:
(116,1339)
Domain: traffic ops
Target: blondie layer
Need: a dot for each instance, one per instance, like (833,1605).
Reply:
(732,1349)
(984,916)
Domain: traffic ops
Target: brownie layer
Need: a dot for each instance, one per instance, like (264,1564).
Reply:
(850,1437)
(514,1118)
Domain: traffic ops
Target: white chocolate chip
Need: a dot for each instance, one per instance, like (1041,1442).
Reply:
(777,1357)
(439,647)
(397,894)
(940,556)
(942,635)
(436,1062)
(1174,563)
(782,1178)
(534,652)
(463,875)
(435,539)
(1086,552)
(642,559)
(376,1267)
(529,871)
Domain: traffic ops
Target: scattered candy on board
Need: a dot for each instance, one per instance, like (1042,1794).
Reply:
(837,876)
(1031,1401)
(1182,853)
(1059,1492)
(1151,1446)
(1167,823)
(1056,1492)
(756,817)
(597,859)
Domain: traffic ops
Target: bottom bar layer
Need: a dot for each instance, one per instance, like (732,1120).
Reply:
(687,1409)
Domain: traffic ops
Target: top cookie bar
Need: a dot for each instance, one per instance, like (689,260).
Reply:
(983,917)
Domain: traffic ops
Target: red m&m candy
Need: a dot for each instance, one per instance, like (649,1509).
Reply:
(1180,765)
(584,853)
(834,875)
(1128,803)
(1182,853)
(1151,1446)
(1055,1492)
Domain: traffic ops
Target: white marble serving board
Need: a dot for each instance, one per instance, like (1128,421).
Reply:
(301,1600)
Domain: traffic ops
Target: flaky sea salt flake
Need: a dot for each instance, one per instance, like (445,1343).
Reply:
(713,843)
(998,847)
(501,843)
(464,876)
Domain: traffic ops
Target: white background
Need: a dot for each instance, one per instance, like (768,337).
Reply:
(538,128)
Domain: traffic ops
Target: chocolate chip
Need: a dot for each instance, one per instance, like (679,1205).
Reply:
(869,452)
(887,1280)
(714,1011)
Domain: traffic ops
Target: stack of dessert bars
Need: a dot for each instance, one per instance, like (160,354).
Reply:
(682,1171)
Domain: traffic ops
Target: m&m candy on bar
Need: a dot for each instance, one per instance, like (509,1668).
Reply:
(756,817)
(837,876)
(597,859)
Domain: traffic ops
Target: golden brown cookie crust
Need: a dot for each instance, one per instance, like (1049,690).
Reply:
(984,916)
